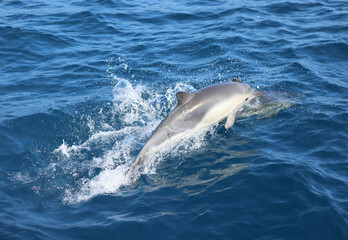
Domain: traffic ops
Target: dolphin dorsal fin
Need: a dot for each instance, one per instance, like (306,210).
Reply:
(184,97)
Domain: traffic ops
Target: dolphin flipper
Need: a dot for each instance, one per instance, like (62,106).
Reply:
(230,120)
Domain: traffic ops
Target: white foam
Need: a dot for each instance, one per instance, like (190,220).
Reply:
(22,177)
(66,150)
(106,182)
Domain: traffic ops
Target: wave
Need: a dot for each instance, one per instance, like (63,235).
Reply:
(327,52)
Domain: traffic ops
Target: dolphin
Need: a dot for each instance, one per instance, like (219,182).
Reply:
(197,111)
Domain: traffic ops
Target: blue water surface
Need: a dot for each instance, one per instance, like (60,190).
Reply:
(84,83)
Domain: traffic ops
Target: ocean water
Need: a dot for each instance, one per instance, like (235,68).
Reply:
(84,83)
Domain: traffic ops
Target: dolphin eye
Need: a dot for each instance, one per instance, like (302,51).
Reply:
(246,99)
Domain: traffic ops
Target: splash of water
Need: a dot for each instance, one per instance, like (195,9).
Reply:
(139,110)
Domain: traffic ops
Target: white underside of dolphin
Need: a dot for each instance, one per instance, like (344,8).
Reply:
(196,112)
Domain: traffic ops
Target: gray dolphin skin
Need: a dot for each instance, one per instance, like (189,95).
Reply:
(198,111)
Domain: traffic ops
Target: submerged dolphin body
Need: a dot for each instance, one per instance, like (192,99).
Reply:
(197,111)
(268,105)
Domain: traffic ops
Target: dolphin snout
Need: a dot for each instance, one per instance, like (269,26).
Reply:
(256,93)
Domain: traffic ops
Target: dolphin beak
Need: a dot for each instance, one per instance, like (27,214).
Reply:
(256,93)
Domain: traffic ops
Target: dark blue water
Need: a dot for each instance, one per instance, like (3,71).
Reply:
(84,83)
